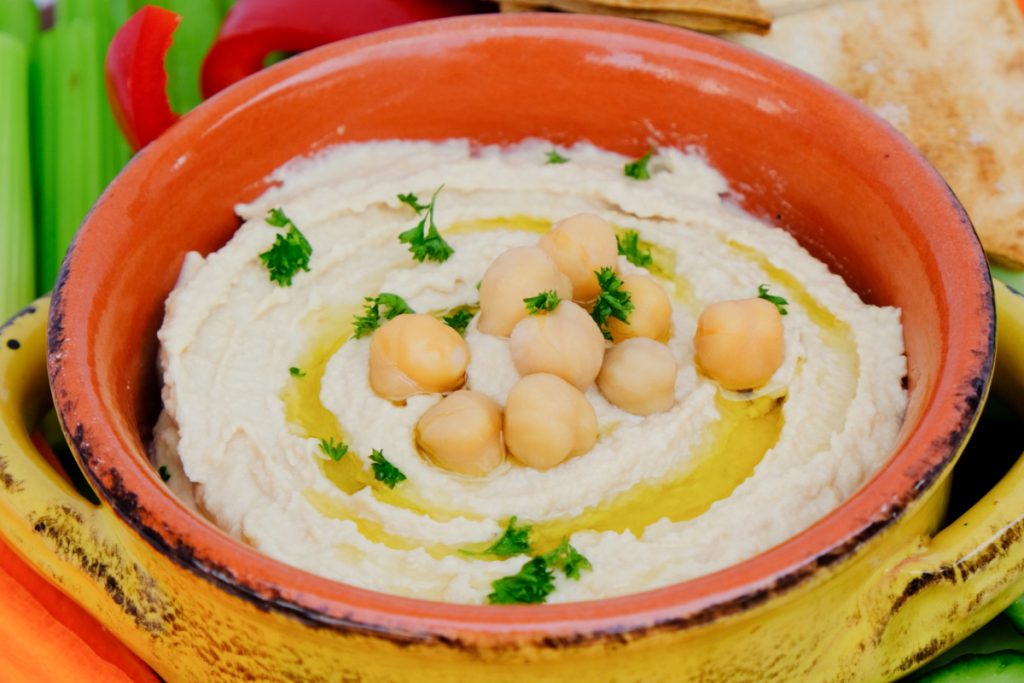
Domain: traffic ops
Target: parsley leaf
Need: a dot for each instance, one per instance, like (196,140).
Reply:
(290,252)
(424,241)
(555,158)
(295,372)
(165,475)
(532,585)
(459,319)
(612,302)
(568,559)
(334,451)
(413,201)
(780,303)
(392,305)
(545,301)
(514,541)
(629,246)
(638,169)
(384,471)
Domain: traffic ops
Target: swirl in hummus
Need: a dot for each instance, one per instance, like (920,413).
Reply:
(718,477)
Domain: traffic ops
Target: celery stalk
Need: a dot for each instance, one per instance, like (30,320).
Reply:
(200,21)
(17,265)
(19,18)
(68,106)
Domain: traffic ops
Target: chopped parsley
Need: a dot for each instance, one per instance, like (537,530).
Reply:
(536,580)
(295,372)
(413,201)
(629,246)
(780,303)
(384,471)
(334,451)
(612,302)
(555,158)
(459,319)
(424,241)
(290,252)
(165,475)
(384,304)
(545,301)
(638,169)
(514,541)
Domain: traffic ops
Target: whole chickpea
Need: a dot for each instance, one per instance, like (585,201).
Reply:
(462,433)
(416,354)
(740,344)
(518,273)
(580,246)
(639,376)
(652,310)
(565,342)
(548,420)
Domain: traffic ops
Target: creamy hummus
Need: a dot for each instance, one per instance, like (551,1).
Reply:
(718,478)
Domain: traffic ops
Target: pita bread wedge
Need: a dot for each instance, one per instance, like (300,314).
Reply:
(709,16)
(949,74)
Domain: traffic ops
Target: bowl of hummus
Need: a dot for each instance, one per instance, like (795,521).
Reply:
(524,345)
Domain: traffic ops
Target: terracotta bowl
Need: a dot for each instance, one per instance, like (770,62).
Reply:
(796,152)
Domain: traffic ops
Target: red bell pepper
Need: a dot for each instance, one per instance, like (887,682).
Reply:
(256,28)
(136,75)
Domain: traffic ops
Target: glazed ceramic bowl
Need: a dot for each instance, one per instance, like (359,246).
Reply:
(838,601)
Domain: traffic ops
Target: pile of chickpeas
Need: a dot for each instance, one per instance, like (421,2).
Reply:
(561,353)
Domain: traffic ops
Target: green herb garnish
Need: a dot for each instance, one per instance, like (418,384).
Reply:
(545,301)
(514,541)
(384,304)
(780,303)
(413,201)
(532,585)
(384,471)
(424,241)
(334,451)
(638,169)
(612,302)
(295,372)
(629,246)
(555,158)
(568,560)
(459,319)
(165,475)
(290,252)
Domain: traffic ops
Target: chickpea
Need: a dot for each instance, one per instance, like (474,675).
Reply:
(740,344)
(548,420)
(580,246)
(639,376)
(462,433)
(565,342)
(416,354)
(515,275)
(652,310)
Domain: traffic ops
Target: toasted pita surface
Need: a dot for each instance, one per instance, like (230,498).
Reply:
(709,16)
(949,74)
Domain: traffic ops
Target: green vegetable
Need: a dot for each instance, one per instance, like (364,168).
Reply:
(1014,278)
(424,241)
(997,667)
(545,301)
(392,305)
(290,252)
(459,319)
(780,303)
(612,302)
(629,246)
(165,475)
(555,158)
(19,19)
(514,541)
(638,169)
(334,451)
(17,254)
(200,22)
(532,585)
(295,372)
(413,201)
(568,560)
(384,471)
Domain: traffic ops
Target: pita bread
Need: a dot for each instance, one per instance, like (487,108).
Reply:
(949,74)
(709,16)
